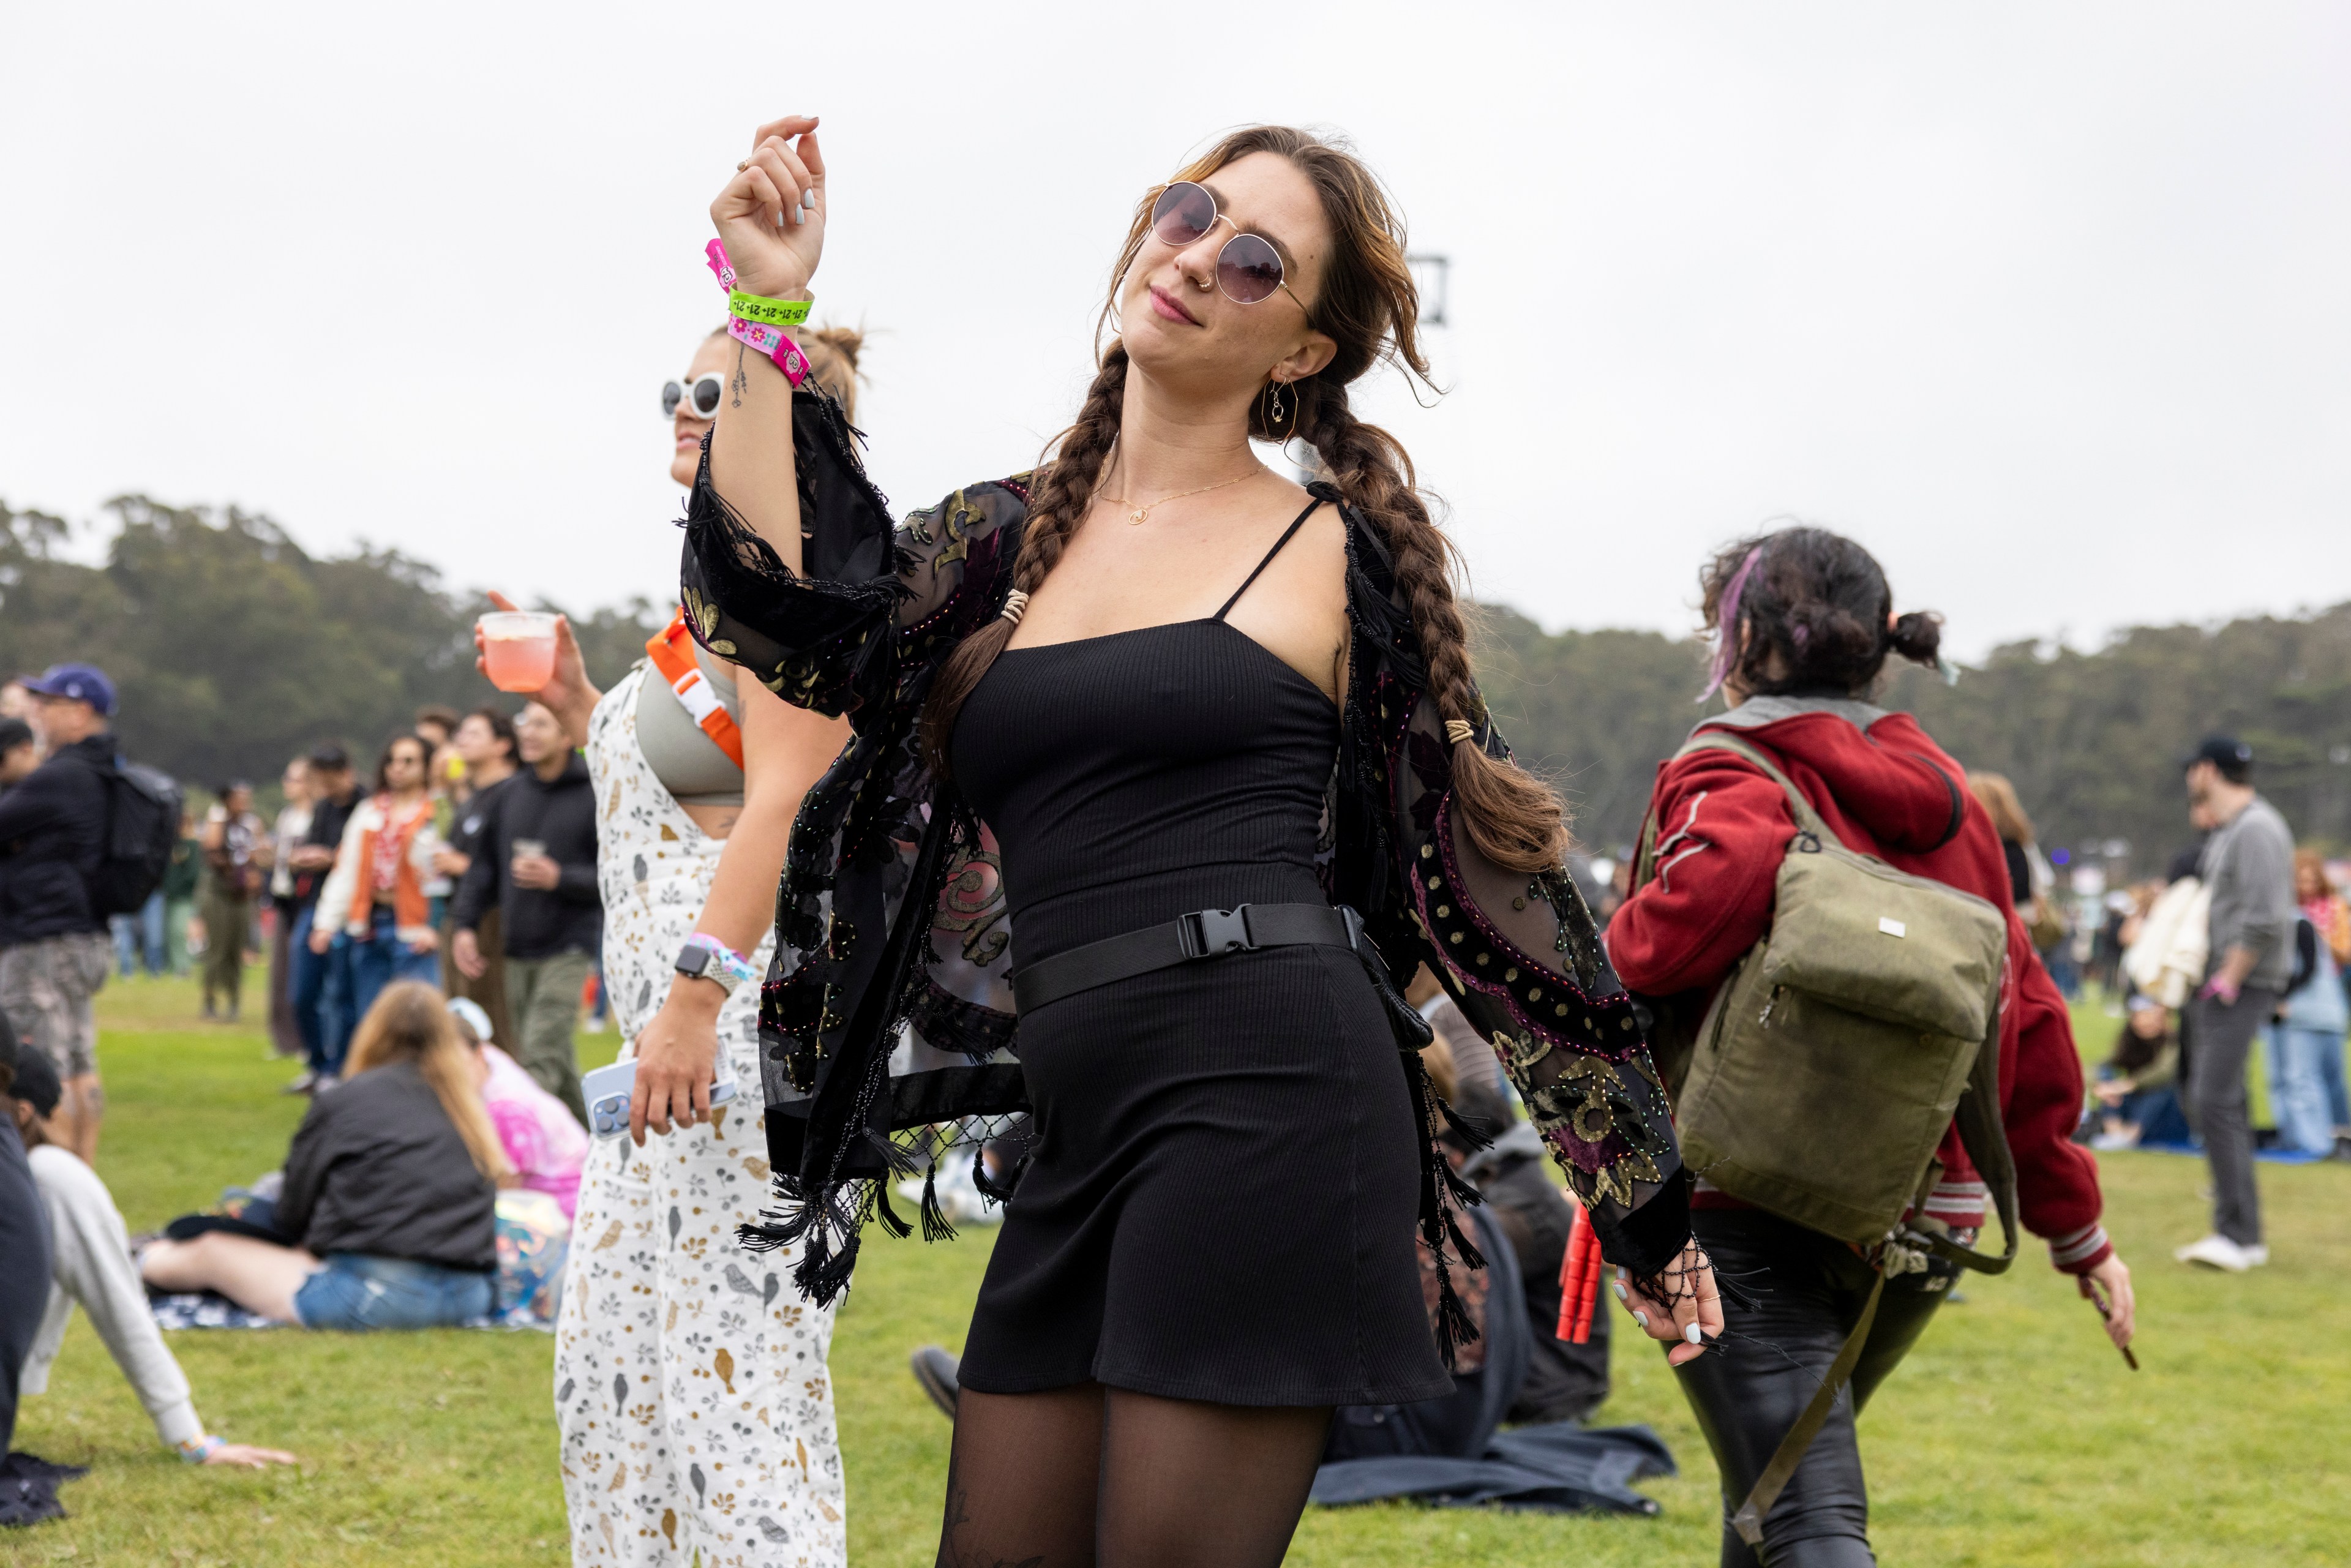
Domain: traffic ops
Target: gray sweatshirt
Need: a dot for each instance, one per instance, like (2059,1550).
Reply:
(93,1267)
(2248,864)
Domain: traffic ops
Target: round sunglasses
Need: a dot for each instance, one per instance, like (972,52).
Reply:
(1249,269)
(701,394)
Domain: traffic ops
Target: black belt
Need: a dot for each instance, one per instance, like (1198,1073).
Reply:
(1202,934)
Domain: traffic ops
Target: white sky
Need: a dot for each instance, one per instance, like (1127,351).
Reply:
(2049,306)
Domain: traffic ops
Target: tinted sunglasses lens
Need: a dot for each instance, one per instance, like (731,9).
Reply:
(671,395)
(1248,270)
(705,396)
(1183,212)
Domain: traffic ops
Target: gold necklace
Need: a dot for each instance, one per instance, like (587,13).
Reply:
(1135,519)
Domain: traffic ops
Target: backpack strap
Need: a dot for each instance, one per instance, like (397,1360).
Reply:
(1645,866)
(1807,819)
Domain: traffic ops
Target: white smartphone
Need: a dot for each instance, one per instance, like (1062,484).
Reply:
(606,1091)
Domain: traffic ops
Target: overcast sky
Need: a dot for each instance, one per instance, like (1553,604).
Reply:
(2050,306)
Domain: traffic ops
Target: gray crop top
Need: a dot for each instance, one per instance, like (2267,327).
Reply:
(686,760)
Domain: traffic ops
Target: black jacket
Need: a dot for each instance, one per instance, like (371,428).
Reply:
(471,828)
(328,817)
(562,816)
(378,1167)
(52,833)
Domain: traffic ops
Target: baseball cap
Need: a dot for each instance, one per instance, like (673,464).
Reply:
(36,1080)
(76,682)
(2230,756)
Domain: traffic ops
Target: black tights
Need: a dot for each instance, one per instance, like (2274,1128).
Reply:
(1075,1477)
(1807,1291)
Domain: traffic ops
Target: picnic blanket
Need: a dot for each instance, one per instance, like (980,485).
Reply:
(534,1239)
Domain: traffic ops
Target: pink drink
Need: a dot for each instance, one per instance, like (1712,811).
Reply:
(518,649)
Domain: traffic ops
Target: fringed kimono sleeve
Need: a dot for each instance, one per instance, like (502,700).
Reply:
(1522,955)
(872,607)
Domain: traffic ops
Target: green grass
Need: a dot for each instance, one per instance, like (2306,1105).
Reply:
(2012,1435)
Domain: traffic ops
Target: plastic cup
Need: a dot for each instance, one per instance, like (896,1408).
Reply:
(518,649)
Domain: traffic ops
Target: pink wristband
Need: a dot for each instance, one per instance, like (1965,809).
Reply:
(771,343)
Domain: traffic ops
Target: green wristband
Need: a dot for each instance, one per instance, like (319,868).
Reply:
(769,312)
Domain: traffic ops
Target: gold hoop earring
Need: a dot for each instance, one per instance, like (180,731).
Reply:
(1273,410)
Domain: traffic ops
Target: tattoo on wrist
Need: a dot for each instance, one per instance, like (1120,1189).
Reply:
(740,381)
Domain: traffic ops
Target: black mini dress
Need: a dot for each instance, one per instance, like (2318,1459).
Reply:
(1221,1198)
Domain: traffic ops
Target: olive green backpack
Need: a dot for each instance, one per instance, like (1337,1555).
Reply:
(1823,1076)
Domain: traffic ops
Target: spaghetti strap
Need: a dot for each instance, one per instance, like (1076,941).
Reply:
(1286,534)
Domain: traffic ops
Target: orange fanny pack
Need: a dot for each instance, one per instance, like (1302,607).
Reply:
(672,653)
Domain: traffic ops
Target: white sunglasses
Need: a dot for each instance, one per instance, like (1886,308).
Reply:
(702,393)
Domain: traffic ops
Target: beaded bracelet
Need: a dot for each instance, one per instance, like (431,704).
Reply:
(767,340)
(196,1451)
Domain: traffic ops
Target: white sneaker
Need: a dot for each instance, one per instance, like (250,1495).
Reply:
(2216,1252)
(2257,1254)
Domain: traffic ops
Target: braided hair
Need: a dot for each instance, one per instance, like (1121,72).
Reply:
(1369,308)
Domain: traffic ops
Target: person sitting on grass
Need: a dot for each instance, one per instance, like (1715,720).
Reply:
(544,1143)
(92,1266)
(2136,1097)
(388,1212)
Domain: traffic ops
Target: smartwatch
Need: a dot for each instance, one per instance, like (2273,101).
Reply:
(705,957)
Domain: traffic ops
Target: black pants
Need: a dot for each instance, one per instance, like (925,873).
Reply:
(1808,1291)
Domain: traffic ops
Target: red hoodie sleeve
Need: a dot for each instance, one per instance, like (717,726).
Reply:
(1722,827)
(2056,1178)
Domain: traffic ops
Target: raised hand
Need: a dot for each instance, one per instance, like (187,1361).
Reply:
(771,214)
(569,693)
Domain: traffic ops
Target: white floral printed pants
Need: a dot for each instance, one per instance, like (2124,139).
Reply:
(690,1382)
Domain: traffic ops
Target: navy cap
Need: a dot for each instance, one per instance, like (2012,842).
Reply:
(2233,757)
(76,682)
(36,1079)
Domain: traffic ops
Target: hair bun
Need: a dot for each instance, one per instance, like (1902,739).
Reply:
(1919,637)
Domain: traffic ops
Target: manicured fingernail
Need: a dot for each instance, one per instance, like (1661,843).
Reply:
(800,215)
(1692,1335)
(1622,1293)
(1641,1318)
(807,199)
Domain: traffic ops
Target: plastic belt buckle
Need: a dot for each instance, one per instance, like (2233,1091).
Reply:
(1212,933)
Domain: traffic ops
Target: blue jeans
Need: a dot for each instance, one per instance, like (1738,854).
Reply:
(380,958)
(322,996)
(356,1291)
(2298,1058)
(140,937)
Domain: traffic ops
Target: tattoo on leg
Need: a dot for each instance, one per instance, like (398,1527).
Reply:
(741,382)
(951,1555)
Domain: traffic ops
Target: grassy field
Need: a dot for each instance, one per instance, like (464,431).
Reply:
(2013,1436)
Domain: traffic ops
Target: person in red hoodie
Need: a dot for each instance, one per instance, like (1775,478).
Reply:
(1803,622)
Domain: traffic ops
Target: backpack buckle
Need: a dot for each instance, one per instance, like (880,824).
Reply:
(1211,933)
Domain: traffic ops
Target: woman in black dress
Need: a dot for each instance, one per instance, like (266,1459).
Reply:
(1171,685)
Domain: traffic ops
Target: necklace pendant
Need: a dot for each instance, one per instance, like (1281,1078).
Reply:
(1137,515)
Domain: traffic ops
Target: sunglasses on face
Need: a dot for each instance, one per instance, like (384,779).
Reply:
(700,395)
(1249,269)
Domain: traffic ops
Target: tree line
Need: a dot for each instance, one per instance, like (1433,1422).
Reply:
(235,649)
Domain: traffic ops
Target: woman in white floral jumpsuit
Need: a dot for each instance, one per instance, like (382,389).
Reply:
(690,1384)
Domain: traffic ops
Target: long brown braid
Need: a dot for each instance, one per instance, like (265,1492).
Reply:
(1056,504)
(1369,308)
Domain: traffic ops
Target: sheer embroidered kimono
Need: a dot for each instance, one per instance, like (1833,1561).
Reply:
(888,1005)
